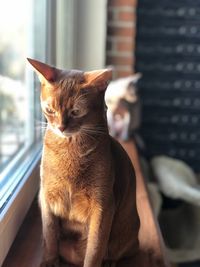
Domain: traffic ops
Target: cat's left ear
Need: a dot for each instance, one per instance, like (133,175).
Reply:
(98,79)
(46,73)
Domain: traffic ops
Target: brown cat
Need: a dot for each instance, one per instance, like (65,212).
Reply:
(88,190)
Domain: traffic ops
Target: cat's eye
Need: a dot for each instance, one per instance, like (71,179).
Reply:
(75,112)
(49,111)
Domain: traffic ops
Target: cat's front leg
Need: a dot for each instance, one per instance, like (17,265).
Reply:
(99,232)
(50,229)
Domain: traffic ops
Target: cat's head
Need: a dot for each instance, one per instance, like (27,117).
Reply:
(123,88)
(72,101)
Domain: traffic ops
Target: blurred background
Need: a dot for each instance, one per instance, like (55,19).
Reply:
(160,40)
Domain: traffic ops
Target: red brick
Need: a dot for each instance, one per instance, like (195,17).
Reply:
(123,73)
(126,16)
(125,46)
(120,31)
(122,2)
(117,60)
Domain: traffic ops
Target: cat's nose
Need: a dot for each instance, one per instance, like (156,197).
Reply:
(61,128)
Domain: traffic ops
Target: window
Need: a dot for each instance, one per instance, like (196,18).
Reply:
(19,116)
(57,32)
(23,32)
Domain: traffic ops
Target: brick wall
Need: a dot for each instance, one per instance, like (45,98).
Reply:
(121,36)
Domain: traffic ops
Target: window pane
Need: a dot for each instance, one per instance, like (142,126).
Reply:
(22,31)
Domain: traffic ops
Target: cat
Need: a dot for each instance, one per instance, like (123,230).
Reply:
(123,104)
(88,187)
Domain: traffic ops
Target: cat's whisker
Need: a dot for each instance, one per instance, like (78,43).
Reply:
(39,121)
(41,128)
(87,135)
(93,131)
(41,125)
(94,127)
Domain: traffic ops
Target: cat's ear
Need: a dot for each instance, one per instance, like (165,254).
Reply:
(137,76)
(131,95)
(133,78)
(98,79)
(46,73)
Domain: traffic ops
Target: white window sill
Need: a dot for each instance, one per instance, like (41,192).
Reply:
(15,209)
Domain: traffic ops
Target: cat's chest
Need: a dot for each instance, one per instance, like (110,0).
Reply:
(62,183)
(64,203)
(61,162)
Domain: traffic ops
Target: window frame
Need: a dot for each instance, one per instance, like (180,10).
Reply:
(19,203)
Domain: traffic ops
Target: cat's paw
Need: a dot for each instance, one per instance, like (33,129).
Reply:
(50,263)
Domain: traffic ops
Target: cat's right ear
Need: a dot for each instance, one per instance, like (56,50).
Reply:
(98,78)
(46,73)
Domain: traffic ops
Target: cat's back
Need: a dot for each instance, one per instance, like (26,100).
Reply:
(121,160)
(126,221)
(125,178)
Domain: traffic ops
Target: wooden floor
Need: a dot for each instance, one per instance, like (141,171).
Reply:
(26,250)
